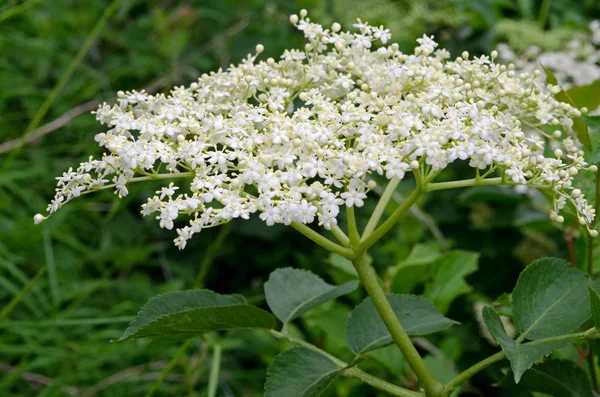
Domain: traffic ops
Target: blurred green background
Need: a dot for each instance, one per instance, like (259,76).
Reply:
(70,286)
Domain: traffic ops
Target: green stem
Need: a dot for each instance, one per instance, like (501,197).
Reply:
(352,229)
(323,241)
(371,239)
(24,291)
(380,208)
(381,384)
(209,255)
(464,183)
(340,236)
(368,278)
(169,368)
(469,372)
(215,367)
(350,371)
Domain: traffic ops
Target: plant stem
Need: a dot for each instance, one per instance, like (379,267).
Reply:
(464,183)
(352,229)
(215,367)
(381,384)
(22,293)
(380,208)
(340,235)
(368,241)
(469,372)
(323,241)
(169,368)
(368,278)
(349,371)
(209,255)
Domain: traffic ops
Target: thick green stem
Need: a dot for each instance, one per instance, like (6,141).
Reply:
(368,278)
(464,183)
(350,371)
(323,241)
(352,229)
(371,239)
(480,366)
(383,202)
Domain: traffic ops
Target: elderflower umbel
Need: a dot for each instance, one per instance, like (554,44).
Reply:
(295,139)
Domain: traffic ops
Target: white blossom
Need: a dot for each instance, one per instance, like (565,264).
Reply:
(296,139)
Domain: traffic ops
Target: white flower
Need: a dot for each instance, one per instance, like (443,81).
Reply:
(296,139)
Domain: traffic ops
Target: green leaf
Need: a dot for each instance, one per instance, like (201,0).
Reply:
(550,299)
(521,357)
(343,264)
(189,313)
(414,269)
(586,95)
(300,372)
(595,156)
(366,330)
(592,121)
(558,378)
(595,304)
(292,292)
(421,254)
(579,125)
(442,369)
(449,278)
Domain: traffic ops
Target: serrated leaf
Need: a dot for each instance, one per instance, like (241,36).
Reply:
(595,305)
(558,378)
(550,299)
(579,125)
(292,292)
(449,274)
(521,356)
(367,331)
(190,313)
(300,372)
(592,121)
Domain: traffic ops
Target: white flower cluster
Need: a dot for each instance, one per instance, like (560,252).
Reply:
(577,65)
(295,139)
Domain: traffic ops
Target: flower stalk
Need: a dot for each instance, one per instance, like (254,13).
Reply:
(368,278)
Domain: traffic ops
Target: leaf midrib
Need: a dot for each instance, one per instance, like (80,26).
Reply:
(524,334)
(325,374)
(290,316)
